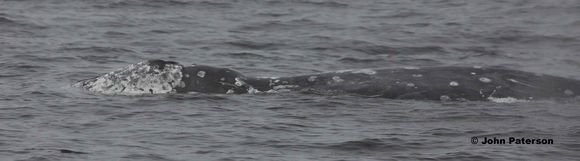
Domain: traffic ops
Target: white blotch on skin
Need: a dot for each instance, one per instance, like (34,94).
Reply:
(312,78)
(201,74)
(410,85)
(568,92)
(343,71)
(181,84)
(461,99)
(444,98)
(453,84)
(230,91)
(477,67)
(337,79)
(505,100)
(512,80)
(279,87)
(238,82)
(417,75)
(186,75)
(365,71)
(222,79)
(411,68)
(473,73)
(252,90)
(484,80)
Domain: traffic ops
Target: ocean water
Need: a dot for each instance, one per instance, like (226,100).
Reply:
(46,46)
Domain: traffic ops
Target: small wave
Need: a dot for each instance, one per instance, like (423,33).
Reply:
(399,14)
(443,132)
(252,45)
(297,24)
(142,3)
(330,4)
(358,60)
(98,49)
(520,132)
(12,23)
(146,157)
(4,21)
(574,131)
(101,59)
(379,49)
(462,156)
(164,31)
(370,144)
(10,75)
(246,55)
(480,116)
(161,4)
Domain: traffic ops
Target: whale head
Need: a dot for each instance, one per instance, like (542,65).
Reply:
(147,77)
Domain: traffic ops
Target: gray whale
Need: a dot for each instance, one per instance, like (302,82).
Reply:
(425,83)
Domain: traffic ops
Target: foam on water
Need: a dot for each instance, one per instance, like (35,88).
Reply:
(506,100)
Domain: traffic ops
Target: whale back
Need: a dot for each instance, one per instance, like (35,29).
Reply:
(208,79)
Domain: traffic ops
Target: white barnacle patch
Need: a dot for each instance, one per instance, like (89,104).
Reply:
(473,73)
(136,79)
(283,88)
(252,90)
(512,80)
(365,71)
(417,75)
(230,91)
(201,74)
(222,79)
(181,84)
(444,98)
(312,78)
(484,80)
(337,79)
(411,68)
(239,82)
(453,84)
(568,92)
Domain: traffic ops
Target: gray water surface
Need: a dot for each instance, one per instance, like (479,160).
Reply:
(46,46)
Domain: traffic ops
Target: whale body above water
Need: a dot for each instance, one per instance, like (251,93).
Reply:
(425,83)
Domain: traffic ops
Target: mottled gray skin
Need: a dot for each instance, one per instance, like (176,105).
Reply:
(443,83)
(427,83)
(214,80)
